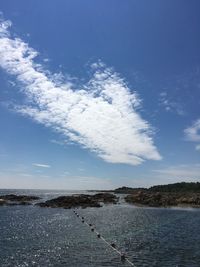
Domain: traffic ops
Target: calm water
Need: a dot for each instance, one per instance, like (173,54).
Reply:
(34,236)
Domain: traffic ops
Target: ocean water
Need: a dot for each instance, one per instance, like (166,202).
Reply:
(34,236)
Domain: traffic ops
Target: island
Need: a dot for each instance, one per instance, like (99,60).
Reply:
(82,200)
(171,195)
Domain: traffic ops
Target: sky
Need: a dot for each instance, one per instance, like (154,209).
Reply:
(99,94)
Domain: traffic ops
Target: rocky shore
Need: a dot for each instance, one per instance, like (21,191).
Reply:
(12,199)
(164,199)
(83,201)
(66,202)
(178,194)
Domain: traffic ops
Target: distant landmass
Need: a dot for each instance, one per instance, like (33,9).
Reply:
(176,187)
(177,194)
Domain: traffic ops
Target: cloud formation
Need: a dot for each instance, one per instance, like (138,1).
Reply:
(197,147)
(101,115)
(170,105)
(41,165)
(193,132)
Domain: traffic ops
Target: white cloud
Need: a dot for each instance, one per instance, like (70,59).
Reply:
(170,105)
(192,133)
(81,169)
(197,147)
(26,174)
(41,165)
(101,115)
(58,142)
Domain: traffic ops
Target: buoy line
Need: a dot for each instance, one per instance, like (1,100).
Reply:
(112,245)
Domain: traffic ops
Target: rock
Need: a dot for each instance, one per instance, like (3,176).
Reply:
(106,198)
(82,201)
(13,200)
(21,203)
(12,197)
(128,190)
(2,202)
(70,201)
(164,199)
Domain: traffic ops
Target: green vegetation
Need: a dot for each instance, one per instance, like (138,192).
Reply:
(177,194)
(177,187)
(182,187)
(126,190)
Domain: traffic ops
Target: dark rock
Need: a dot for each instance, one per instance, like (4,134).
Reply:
(24,203)
(13,197)
(70,201)
(2,202)
(82,201)
(13,200)
(128,190)
(21,203)
(106,198)
(181,187)
(164,199)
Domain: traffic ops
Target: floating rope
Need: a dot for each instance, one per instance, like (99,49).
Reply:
(112,245)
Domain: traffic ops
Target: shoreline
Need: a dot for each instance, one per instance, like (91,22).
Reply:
(101,199)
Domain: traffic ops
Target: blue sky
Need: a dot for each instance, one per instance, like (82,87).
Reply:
(99,94)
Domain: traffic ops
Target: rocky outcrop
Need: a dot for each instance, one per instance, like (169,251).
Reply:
(2,202)
(11,200)
(82,201)
(182,187)
(128,190)
(105,198)
(12,197)
(164,199)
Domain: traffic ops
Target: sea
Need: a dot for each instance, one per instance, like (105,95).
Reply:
(159,237)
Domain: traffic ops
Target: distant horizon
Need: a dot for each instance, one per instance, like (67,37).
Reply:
(89,189)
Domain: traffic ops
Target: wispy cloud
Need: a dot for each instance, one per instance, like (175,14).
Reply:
(58,142)
(25,174)
(170,105)
(41,165)
(197,147)
(101,115)
(192,133)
